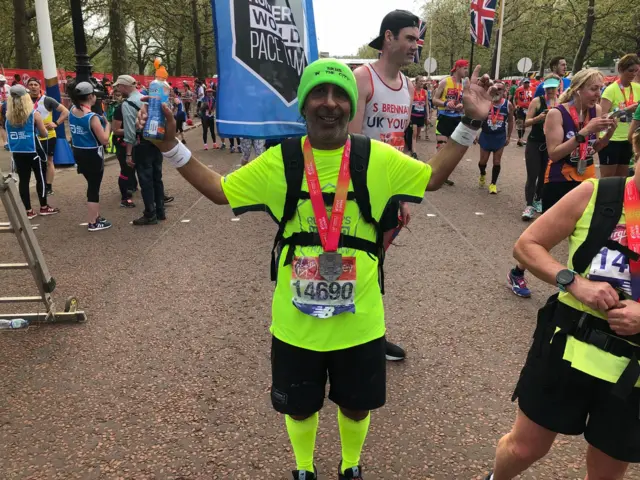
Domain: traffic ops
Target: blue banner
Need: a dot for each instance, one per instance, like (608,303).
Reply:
(262,48)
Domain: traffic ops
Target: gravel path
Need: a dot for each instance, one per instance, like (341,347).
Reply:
(169,379)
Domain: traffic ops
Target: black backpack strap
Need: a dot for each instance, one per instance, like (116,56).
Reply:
(129,102)
(359,165)
(294,172)
(606,214)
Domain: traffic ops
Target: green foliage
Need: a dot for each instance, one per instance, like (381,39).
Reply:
(528,24)
(164,29)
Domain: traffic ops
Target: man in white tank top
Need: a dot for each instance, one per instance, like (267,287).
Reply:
(384,105)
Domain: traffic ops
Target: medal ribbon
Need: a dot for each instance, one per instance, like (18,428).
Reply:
(495,112)
(632,215)
(624,95)
(329,230)
(578,125)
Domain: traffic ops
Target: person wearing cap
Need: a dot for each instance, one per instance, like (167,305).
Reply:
(4,95)
(142,155)
(385,96)
(448,100)
(523,97)
(535,154)
(23,124)
(90,133)
(347,344)
(208,118)
(187,98)
(46,106)
(558,66)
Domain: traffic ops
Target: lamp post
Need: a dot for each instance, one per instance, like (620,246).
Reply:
(83,65)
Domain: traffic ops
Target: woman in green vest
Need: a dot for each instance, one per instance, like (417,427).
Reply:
(581,373)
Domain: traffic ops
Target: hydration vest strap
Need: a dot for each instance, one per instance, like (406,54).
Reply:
(596,331)
(606,213)
(293,160)
(327,197)
(312,239)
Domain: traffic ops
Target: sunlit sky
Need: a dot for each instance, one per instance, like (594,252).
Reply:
(342,26)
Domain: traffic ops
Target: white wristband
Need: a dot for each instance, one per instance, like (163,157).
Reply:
(178,156)
(464,135)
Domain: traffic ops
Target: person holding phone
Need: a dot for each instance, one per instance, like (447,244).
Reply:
(620,98)
(571,131)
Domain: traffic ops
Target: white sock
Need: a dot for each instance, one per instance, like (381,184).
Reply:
(491,478)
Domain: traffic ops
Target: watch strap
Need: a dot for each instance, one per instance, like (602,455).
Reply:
(471,122)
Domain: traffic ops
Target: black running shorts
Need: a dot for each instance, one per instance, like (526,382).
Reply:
(357,377)
(552,192)
(616,153)
(446,125)
(562,399)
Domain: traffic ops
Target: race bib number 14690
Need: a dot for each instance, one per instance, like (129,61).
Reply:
(320,298)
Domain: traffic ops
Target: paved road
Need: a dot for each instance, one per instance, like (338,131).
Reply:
(169,379)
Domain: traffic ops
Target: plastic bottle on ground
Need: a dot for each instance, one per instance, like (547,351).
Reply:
(14,324)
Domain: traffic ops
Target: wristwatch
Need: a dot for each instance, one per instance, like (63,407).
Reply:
(564,278)
(580,138)
(469,122)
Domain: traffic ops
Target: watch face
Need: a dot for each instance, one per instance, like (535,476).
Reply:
(565,277)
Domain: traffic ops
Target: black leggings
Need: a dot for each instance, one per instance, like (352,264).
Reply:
(94,180)
(233,140)
(208,123)
(25,163)
(127,178)
(536,158)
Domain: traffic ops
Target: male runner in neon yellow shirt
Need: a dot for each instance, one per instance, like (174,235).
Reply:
(327,322)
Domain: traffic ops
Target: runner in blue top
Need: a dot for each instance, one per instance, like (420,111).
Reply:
(27,153)
(89,133)
(494,136)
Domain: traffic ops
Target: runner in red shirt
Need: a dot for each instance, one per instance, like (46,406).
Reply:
(522,97)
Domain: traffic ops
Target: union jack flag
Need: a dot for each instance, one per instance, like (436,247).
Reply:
(483,13)
(422,29)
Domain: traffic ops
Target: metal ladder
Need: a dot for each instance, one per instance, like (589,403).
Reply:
(20,225)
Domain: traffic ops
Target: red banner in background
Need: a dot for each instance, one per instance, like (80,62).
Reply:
(63,75)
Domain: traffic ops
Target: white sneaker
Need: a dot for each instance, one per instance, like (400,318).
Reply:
(528,214)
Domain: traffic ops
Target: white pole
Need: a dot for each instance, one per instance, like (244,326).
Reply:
(430,36)
(46,40)
(502,2)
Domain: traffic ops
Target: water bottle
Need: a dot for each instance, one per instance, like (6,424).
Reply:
(13,324)
(159,91)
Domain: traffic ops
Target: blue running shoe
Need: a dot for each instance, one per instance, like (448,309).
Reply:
(518,285)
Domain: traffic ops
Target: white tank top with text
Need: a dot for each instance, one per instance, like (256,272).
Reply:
(386,115)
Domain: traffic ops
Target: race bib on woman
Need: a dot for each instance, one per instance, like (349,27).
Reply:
(612,266)
(318,297)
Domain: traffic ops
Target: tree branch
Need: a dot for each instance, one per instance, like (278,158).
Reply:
(100,47)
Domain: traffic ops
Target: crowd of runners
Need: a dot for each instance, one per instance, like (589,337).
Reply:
(339,196)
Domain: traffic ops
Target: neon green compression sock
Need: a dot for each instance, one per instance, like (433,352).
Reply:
(352,436)
(302,435)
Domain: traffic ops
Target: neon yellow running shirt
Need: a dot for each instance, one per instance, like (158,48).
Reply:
(261,186)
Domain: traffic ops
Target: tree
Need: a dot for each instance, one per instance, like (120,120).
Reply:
(118,38)
(365,51)
(21,32)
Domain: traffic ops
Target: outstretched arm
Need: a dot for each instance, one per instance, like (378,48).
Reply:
(477,102)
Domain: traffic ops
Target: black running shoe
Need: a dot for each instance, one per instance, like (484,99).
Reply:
(449,182)
(353,473)
(144,220)
(394,353)
(305,475)
(168,199)
(128,203)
